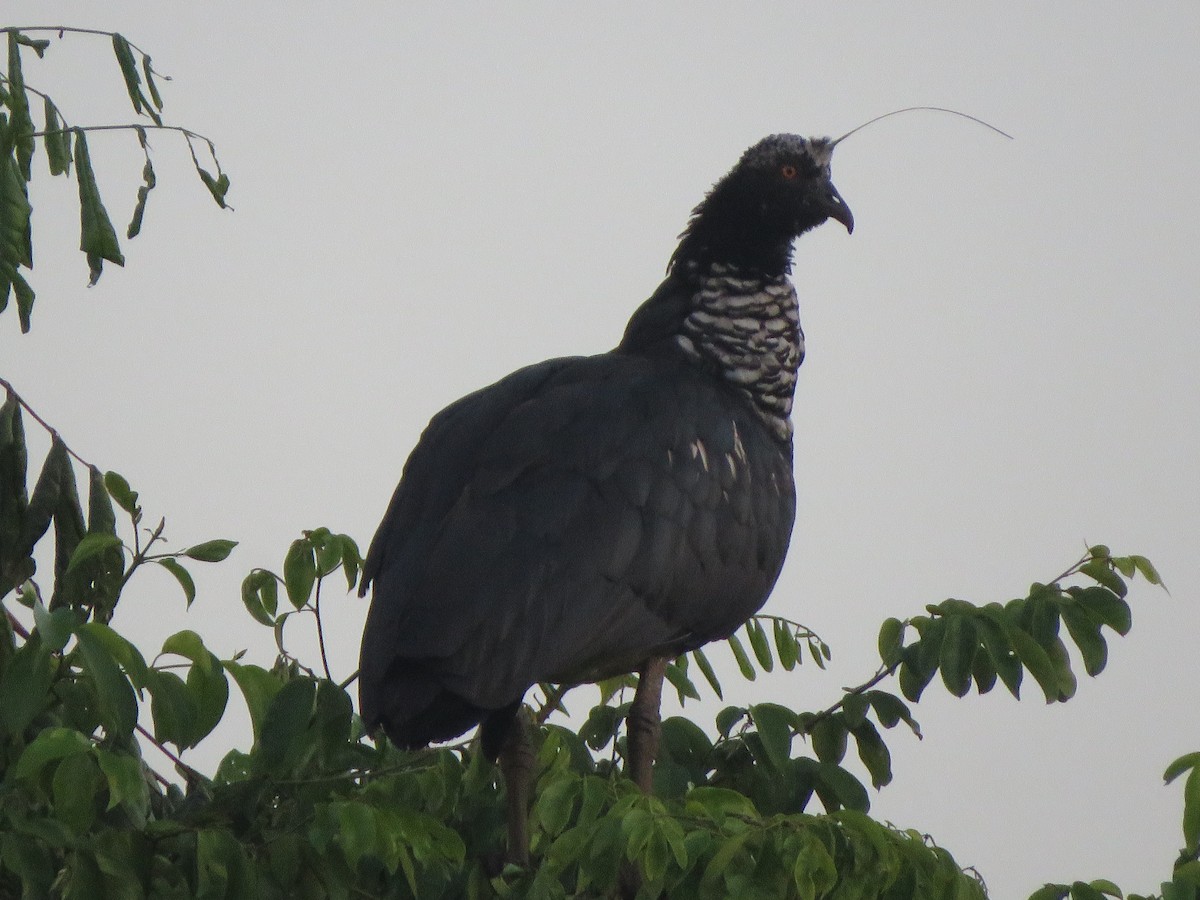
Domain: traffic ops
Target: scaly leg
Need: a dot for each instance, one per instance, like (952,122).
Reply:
(645,724)
(516,764)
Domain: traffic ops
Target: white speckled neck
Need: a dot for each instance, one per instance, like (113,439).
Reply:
(748,328)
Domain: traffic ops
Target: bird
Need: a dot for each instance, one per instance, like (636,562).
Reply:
(591,516)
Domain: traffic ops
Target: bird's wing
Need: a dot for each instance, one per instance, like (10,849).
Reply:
(623,507)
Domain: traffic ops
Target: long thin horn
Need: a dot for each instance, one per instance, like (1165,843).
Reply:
(896,112)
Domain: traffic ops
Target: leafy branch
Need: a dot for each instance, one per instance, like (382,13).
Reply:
(65,145)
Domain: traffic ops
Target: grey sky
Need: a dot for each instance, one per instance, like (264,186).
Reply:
(1000,359)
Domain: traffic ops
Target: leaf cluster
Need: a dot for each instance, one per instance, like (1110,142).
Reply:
(66,145)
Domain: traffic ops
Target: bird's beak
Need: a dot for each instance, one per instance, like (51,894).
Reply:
(837,209)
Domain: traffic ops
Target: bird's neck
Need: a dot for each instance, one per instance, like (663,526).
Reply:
(734,242)
(743,328)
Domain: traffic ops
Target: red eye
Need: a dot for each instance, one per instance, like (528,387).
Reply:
(788,171)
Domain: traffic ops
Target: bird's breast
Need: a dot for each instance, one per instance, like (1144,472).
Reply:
(748,330)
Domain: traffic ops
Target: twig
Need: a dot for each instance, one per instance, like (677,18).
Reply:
(553,702)
(349,681)
(321,630)
(46,425)
(884,672)
(63,29)
(191,774)
(137,126)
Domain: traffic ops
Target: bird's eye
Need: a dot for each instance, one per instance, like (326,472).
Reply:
(787,170)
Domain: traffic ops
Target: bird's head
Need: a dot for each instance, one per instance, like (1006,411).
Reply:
(779,189)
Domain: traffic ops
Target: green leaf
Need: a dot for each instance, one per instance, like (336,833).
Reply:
(713,872)
(1104,575)
(601,726)
(1191,811)
(992,627)
(103,577)
(260,595)
(55,627)
(682,684)
(1050,892)
(785,645)
(891,634)
(46,497)
(222,869)
(25,684)
(218,187)
(983,670)
(92,546)
(114,693)
(36,44)
(284,739)
(182,575)
(775,724)
(958,654)
(50,745)
(728,717)
(1085,632)
(555,804)
(56,140)
(854,708)
(129,70)
(121,650)
(126,781)
(759,644)
(743,661)
(258,687)
(1104,886)
(210,551)
(148,72)
(20,128)
(149,182)
(357,831)
(98,238)
(352,561)
(75,788)
(122,493)
(837,788)
(829,737)
(299,572)
(913,681)
(1037,661)
(29,861)
(1082,891)
(1178,767)
(719,803)
(709,675)
(1146,569)
(69,529)
(25,297)
(1043,616)
(874,754)
(929,647)
(1105,607)
(15,563)
(814,871)
(891,710)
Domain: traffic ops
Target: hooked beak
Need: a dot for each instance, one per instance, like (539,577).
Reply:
(836,208)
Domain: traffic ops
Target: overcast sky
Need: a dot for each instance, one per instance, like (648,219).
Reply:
(1001,360)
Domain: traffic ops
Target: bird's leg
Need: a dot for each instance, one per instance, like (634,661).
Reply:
(645,723)
(516,764)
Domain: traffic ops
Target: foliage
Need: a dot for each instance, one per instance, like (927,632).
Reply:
(65,145)
(765,803)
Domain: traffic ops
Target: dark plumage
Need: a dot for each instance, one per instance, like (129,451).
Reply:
(585,514)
